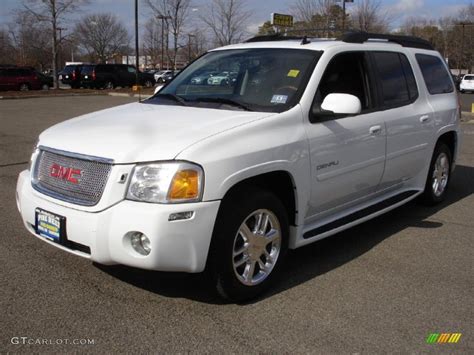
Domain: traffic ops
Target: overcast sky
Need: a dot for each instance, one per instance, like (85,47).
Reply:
(261,10)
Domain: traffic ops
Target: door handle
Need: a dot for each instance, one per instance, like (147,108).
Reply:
(424,118)
(375,130)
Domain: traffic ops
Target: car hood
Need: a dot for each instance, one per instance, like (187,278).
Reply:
(141,132)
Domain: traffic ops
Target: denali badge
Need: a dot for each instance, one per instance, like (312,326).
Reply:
(327,165)
(61,172)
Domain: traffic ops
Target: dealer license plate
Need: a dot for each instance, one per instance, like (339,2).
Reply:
(49,225)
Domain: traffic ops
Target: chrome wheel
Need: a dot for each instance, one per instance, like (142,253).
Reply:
(256,247)
(440,174)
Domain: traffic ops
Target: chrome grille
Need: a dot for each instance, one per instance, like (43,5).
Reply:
(90,182)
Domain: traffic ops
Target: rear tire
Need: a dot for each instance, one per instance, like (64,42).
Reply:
(24,87)
(439,175)
(109,85)
(249,244)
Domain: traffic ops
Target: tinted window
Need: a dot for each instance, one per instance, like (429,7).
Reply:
(395,90)
(410,77)
(69,68)
(468,77)
(435,74)
(105,68)
(87,69)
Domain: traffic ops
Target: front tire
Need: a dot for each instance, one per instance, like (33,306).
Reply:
(438,176)
(148,83)
(249,244)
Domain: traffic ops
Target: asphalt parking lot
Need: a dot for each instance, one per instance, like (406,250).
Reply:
(381,287)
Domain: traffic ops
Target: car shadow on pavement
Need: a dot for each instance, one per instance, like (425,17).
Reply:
(308,262)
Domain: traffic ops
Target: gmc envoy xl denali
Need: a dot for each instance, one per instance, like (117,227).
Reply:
(312,137)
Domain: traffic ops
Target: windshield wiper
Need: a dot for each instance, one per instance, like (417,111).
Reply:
(173,97)
(224,101)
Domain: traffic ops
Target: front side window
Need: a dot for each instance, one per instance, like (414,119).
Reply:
(435,73)
(269,80)
(346,74)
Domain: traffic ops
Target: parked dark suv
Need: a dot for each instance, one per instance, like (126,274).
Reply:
(71,75)
(108,76)
(23,79)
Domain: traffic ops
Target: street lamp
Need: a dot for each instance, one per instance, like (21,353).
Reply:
(163,19)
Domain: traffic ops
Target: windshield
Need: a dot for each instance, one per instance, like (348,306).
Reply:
(468,77)
(270,80)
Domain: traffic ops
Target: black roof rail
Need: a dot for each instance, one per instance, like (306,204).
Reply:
(405,41)
(273,37)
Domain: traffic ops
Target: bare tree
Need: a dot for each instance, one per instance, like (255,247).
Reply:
(369,16)
(175,14)
(7,49)
(227,20)
(102,36)
(152,40)
(53,12)
(29,40)
(306,10)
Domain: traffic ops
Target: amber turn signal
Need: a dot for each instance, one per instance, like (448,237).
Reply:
(185,185)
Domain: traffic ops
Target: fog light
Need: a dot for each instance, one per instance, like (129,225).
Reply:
(140,243)
(180,216)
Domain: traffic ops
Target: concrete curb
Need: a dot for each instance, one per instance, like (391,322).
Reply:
(49,96)
(116,94)
(121,94)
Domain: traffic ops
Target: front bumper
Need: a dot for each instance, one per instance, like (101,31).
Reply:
(175,246)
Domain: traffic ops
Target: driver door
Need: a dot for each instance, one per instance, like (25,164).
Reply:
(347,153)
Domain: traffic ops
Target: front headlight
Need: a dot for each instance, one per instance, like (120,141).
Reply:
(168,182)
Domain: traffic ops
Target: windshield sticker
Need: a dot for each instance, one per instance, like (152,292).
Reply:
(279,99)
(293,73)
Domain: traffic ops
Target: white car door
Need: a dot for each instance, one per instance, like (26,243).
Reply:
(347,153)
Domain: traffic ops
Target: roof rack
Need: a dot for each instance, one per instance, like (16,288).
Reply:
(405,41)
(348,37)
(273,37)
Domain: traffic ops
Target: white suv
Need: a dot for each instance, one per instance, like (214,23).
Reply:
(467,83)
(313,137)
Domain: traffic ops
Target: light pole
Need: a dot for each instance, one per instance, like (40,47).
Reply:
(136,43)
(189,46)
(163,19)
(60,47)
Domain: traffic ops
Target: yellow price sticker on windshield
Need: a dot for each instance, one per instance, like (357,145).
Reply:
(293,73)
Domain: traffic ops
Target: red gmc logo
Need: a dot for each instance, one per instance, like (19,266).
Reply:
(61,172)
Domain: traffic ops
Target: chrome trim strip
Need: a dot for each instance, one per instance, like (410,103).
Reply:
(77,155)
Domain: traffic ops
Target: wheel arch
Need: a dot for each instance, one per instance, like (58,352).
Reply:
(450,138)
(279,182)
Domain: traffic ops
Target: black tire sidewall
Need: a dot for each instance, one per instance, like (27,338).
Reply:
(234,210)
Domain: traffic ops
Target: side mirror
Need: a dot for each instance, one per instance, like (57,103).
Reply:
(336,106)
(158,88)
(342,104)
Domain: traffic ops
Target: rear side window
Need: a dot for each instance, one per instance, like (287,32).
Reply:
(396,77)
(436,75)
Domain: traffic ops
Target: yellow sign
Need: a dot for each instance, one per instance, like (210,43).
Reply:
(282,20)
(293,73)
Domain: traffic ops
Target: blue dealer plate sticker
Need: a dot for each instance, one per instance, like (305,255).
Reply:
(48,225)
(279,99)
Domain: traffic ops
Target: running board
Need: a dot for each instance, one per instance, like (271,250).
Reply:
(360,214)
